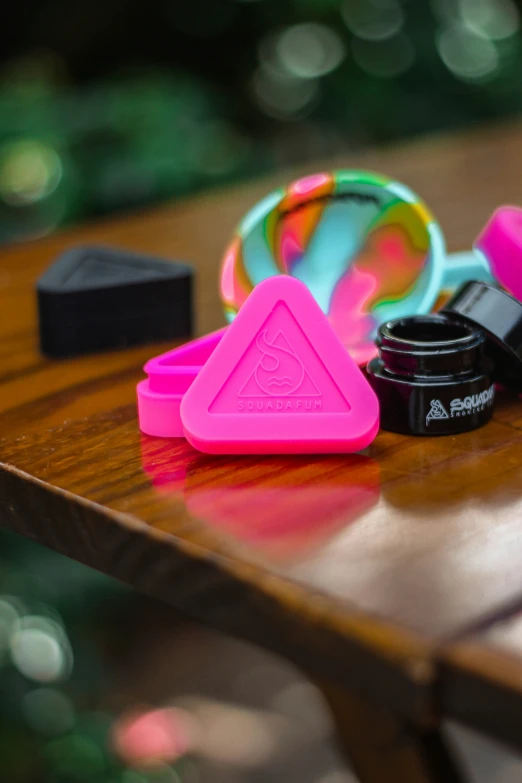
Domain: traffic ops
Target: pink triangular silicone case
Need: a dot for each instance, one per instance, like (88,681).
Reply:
(169,376)
(280,381)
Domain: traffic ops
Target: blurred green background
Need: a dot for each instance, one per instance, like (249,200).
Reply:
(114,106)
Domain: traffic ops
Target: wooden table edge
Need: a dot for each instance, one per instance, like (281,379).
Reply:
(481,686)
(358,650)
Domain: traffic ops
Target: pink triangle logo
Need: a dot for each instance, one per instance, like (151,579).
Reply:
(280,381)
(280,371)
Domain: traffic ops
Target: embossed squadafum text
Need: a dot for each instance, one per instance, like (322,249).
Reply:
(274,405)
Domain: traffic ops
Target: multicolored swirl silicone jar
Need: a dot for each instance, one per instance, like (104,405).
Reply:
(366,246)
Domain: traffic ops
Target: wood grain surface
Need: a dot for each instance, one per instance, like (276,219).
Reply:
(358,566)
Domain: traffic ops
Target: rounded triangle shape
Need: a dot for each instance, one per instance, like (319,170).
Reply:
(280,381)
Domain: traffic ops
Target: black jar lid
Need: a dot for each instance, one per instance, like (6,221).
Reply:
(500,316)
(429,345)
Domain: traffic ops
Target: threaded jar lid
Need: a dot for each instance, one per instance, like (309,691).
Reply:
(430,345)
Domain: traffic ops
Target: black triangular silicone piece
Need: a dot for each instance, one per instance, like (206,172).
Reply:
(90,268)
(95,298)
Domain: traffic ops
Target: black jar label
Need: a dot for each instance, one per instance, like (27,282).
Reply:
(460,406)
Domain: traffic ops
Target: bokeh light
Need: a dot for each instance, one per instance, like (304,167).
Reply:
(40,649)
(154,735)
(8,618)
(286,84)
(373,20)
(309,50)
(301,703)
(496,19)
(48,711)
(282,96)
(468,54)
(29,172)
(238,736)
(385,59)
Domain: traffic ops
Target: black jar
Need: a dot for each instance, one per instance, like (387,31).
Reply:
(431,376)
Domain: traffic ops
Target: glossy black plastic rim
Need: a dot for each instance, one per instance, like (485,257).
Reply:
(429,345)
(500,316)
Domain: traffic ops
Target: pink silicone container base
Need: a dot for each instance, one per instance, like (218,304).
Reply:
(169,377)
(280,382)
(501,243)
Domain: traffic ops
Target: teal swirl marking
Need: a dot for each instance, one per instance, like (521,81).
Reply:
(258,251)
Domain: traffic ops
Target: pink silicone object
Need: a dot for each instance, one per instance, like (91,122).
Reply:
(170,375)
(501,243)
(280,381)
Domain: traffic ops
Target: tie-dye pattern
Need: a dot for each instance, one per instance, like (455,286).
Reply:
(362,243)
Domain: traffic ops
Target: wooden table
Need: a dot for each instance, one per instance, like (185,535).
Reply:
(366,571)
